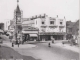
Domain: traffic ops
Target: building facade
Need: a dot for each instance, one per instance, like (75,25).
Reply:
(48,26)
(75,31)
(69,29)
(39,27)
(72,29)
(2,26)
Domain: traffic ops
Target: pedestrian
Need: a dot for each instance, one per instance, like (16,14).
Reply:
(53,40)
(49,45)
(18,42)
(11,37)
(12,44)
(72,41)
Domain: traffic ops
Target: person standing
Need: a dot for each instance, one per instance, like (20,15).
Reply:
(11,36)
(49,45)
(18,41)
(53,40)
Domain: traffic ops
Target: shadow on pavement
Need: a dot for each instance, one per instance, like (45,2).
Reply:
(8,53)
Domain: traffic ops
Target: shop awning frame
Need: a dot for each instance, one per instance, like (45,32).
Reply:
(33,35)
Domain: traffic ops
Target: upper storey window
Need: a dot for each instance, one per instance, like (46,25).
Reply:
(43,22)
(51,22)
(61,23)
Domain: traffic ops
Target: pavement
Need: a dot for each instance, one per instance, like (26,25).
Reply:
(57,43)
(44,53)
(41,53)
(68,47)
(7,53)
(9,44)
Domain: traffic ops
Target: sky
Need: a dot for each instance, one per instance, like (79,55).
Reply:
(52,8)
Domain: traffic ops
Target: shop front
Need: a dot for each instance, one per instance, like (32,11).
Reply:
(30,34)
(47,36)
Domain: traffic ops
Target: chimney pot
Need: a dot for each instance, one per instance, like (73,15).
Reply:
(57,15)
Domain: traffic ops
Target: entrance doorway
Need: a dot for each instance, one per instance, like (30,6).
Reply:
(26,37)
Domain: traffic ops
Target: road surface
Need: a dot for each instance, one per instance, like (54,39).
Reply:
(43,52)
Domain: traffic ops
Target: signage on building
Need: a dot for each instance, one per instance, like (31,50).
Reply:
(52,33)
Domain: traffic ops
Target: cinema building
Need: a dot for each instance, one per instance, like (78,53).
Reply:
(39,27)
(48,27)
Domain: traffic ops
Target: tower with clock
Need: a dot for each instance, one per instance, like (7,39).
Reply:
(18,21)
(18,15)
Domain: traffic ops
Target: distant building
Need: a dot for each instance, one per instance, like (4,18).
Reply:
(2,26)
(72,29)
(75,29)
(11,26)
(6,25)
(69,26)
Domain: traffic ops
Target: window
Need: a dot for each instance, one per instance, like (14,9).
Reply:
(42,22)
(61,23)
(51,22)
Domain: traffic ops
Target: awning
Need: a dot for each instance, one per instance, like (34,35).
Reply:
(30,32)
(33,35)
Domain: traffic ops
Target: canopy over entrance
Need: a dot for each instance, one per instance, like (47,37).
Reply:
(33,35)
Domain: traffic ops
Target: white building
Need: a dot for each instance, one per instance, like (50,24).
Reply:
(47,26)
(6,24)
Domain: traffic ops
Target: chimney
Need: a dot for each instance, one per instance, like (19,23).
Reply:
(36,16)
(64,17)
(57,16)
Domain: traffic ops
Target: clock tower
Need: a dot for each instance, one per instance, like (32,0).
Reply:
(18,15)
(18,22)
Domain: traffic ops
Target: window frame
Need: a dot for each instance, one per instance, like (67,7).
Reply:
(61,22)
(42,22)
(53,22)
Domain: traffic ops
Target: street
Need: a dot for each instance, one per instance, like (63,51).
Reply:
(43,52)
